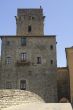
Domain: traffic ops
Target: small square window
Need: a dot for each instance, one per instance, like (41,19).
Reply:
(23,41)
(38,60)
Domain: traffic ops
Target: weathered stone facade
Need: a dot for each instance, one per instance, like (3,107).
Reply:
(29,60)
(30,18)
(63,83)
(33,63)
(40,78)
(69,56)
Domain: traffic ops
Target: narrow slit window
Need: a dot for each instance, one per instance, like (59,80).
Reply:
(38,60)
(29,28)
(51,47)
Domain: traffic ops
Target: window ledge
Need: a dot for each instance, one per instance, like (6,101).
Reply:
(22,63)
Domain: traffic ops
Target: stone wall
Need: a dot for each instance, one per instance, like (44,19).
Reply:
(40,78)
(63,83)
(30,17)
(69,56)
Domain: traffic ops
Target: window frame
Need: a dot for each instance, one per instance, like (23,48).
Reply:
(38,60)
(23,84)
(8,60)
(23,41)
(29,28)
(23,56)
(8,85)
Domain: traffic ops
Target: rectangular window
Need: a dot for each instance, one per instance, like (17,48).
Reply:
(23,84)
(51,62)
(8,85)
(23,41)
(29,28)
(51,47)
(23,56)
(38,60)
(8,60)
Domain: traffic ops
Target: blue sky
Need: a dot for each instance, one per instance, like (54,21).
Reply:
(58,21)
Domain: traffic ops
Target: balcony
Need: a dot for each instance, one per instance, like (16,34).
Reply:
(22,63)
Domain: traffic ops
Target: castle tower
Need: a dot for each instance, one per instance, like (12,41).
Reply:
(29,58)
(30,22)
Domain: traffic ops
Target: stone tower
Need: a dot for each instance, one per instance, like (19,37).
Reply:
(29,58)
(30,22)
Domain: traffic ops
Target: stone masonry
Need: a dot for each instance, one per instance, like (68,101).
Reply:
(32,18)
(28,60)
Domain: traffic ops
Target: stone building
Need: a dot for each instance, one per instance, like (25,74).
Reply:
(63,83)
(65,77)
(29,60)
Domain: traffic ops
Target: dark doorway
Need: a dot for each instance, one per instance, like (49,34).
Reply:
(23,84)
